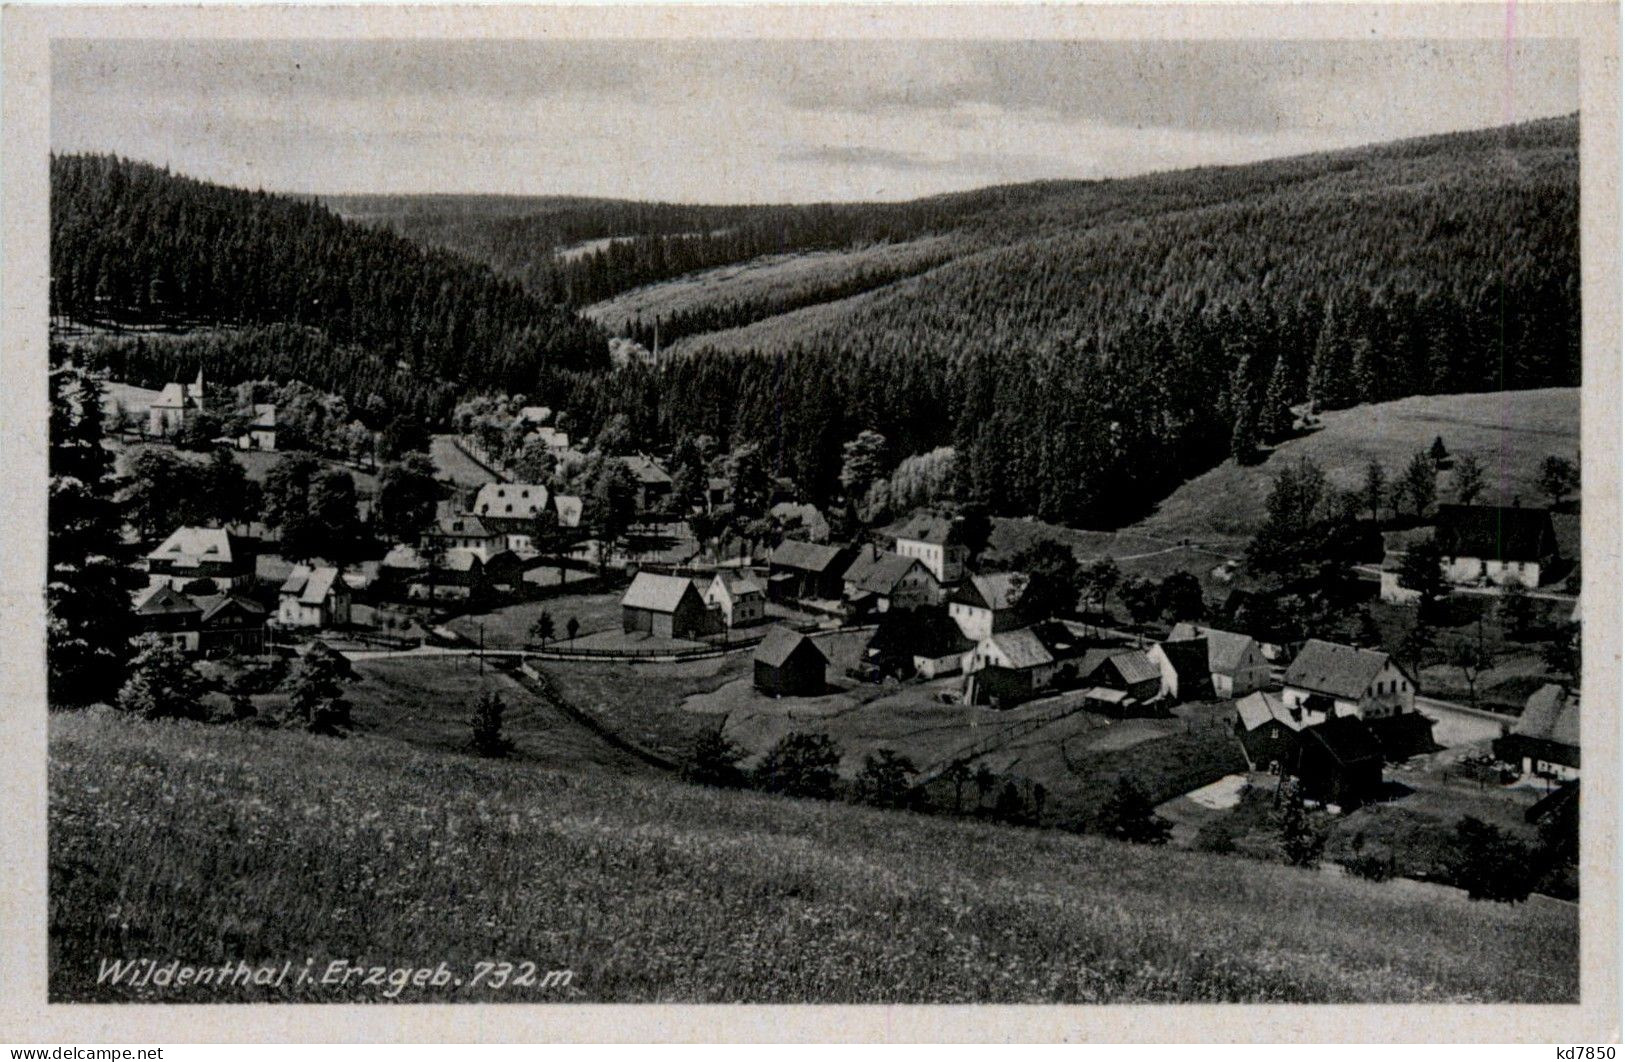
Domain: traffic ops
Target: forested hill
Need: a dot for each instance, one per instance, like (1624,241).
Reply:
(1113,339)
(582,251)
(132,243)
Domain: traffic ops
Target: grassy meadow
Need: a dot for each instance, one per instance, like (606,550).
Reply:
(211,844)
(1510,432)
(774,277)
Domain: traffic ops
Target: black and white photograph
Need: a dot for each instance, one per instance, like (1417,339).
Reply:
(918,519)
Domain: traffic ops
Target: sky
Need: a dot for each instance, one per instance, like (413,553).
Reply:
(767,121)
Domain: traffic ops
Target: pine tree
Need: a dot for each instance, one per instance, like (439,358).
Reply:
(88,622)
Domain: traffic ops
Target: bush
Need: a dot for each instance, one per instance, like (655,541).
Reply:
(1491,864)
(1129,815)
(1216,837)
(887,780)
(485,728)
(314,700)
(1301,840)
(714,761)
(260,676)
(163,684)
(801,765)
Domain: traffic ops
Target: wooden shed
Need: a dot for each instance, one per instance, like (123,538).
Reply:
(789,664)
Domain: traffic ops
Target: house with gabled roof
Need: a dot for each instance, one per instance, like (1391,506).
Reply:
(1009,666)
(466,532)
(164,612)
(1329,680)
(789,664)
(667,606)
(260,431)
(313,597)
(936,539)
(921,641)
(877,581)
(1128,670)
(1183,665)
(1339,761)
(1494,545)
(798,569)
(231,623)
(654,483)
(519,500)
(210,624)
(192,553)
(1268,731)
(1236,662)
(568,506)
(741,599)
(1545,741)
(175,405)
(982,604)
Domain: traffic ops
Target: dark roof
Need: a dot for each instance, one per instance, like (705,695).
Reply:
(1347,739)
(782,643)
(646,471)
(1062,639)
(931,527)
(879,573)
(1552,713)
(165,600)
(1134,666)
(464,526)
(804,556)
(996,591)
(1495,532)
(217,603)
(1189,658)
(929,632)
(1335,670)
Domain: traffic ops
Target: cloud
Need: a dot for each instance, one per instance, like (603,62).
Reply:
(755,121)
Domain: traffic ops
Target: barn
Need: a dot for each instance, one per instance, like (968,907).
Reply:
(789,664)
(666,606)
(1339,762)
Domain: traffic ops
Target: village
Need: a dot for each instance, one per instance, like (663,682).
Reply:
(913,641)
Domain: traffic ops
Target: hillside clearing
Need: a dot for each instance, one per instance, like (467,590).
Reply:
(1510,432)
(649,890)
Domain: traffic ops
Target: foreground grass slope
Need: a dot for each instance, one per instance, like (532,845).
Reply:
(211,844)
(1510,432)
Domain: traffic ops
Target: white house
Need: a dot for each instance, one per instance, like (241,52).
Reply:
(568,506)
(741,598)
(313,597)
(1326,679)
(470,533)
(879,582)
(936,541)
(1495,545)
(174,405)
(193,553)
(984,604)
(1546,740)
(520,500)
(1019,650)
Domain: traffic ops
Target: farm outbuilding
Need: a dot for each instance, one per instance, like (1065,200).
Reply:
(666,606)
(789,664)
